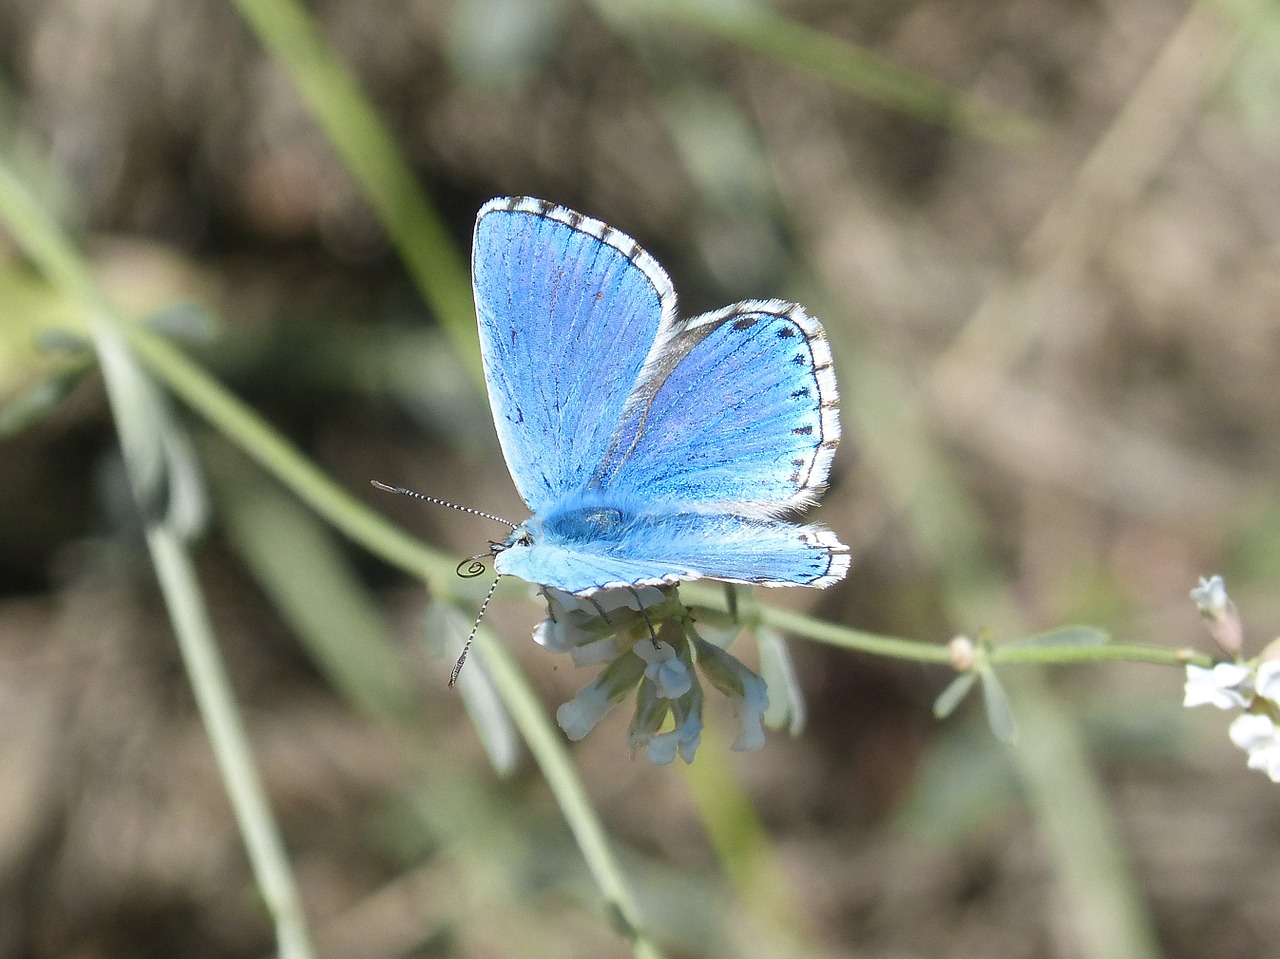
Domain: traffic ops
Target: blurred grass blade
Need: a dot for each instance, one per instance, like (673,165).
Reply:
(446,631)
(1076,636)
(367,149)
(755,28)
(38,401)
(999,712)
(163,468)
(1100,893)
(954,694)
(787,707)
(299,566)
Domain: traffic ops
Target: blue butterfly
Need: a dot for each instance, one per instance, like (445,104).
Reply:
(650,449)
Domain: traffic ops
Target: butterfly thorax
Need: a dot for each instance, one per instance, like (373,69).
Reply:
(572,524)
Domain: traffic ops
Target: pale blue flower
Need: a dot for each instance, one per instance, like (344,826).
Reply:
(580,715)
(664,669)
(745,690)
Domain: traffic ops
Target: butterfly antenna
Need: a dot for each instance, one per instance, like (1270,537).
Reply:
(653,633)
(466,647)
(442,502)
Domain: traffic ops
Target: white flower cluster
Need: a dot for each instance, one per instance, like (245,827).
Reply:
(1253,687)
(647,643)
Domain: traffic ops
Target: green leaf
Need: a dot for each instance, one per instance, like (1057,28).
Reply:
(999,712)
(163,468)
(787,707)
(954,694)
(445,632)
(1064,636)
(34,404)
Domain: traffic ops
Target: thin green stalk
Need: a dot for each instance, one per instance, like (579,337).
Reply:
(1131,653)
(362,525)
(368,151)
(286,463)
(798,624)
(216,702)
(894,647)
(834,60)
(51,250)
(547,744)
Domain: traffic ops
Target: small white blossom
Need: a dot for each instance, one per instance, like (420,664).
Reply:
(558,637)
(1211,598)
(745,690)
(1226,685)
(599,651)
(1258,736)
(684,739)
(579,715)
(1267,680)
(664,668)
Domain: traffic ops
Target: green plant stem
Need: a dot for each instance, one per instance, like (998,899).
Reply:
(894,647)
(368,151)
(1131,653)
(286,463)
(756,29)
(216,703)
(51,250)
(798,624)
(547,744)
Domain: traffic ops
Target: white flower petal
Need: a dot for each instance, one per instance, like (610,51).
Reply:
(1252,732)
(1226,686)
(579,715)
(1267,680)
(664,668)
(1211,597)
(600,651)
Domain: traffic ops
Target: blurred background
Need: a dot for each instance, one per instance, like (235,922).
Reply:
(1044,239)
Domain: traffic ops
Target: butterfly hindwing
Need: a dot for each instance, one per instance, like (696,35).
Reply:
(738,409)
(568,310)
(665,547)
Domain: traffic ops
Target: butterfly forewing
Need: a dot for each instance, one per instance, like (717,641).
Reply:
(568,309)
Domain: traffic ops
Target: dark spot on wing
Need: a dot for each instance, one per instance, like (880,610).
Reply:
(797,462)
(801,359)
(803,430)
(802,392)
(745,323)
(787,332)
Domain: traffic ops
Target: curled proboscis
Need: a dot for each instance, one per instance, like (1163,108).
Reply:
(471,568)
